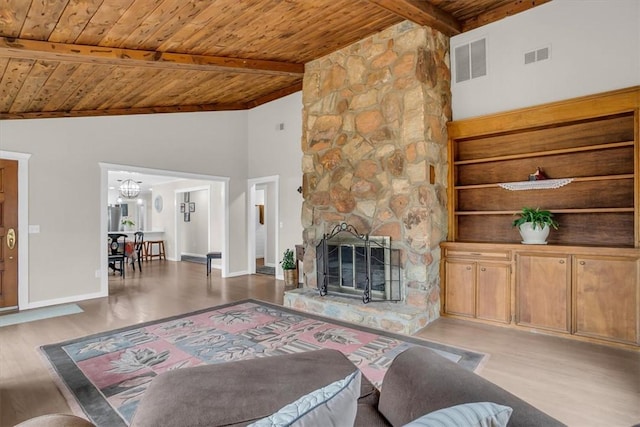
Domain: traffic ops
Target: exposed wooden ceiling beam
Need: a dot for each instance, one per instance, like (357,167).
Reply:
(516,6)
(39,50)
(155,110)
(422,13)
(123,111)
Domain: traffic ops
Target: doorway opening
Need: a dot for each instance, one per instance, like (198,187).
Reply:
(158,211)
(262,225)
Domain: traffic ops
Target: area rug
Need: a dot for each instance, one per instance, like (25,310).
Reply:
(106,374)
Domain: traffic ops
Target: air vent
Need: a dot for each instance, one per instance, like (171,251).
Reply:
(536,55)
(471,60)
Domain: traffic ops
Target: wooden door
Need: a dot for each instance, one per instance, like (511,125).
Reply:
(8,233)
(493,301)
(606,298)
(460,288)
(543,291)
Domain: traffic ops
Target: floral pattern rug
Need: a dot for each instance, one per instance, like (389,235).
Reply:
(106,374)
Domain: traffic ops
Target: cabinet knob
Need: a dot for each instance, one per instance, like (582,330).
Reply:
(561,261)
(468,267)
(483,269)
(582,263)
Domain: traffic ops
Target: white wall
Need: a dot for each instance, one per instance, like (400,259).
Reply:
(194,236)
(66,153)
(278,152)
(595,47)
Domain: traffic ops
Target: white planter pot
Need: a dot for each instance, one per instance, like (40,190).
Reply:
(533,236)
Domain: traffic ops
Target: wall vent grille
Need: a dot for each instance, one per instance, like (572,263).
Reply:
(537,55)
(470,60)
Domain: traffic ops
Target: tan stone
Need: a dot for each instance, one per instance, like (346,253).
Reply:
(384,215)
(331,159)
(384,60)
(385,150)
(417,226)
(364,100)
(391,107)
(426,195)
(366,207)
(391,229)
(395,163)
(324,183)
(404,66)
(381,135)
(416,298)
(369,121)
(401,186)
(426,68)
(320,198)
(356,149)
(343,105)
(333,79)
(416,273)
(356,69)
(417,172)
(308,163)
(392,325)
(332,218)
(342,199)
(364,189)
(366,169)
(341,140)
(306,217)
(410,40)
(411,152)
(398,204)
(359,223)
(325,129)
(379,77)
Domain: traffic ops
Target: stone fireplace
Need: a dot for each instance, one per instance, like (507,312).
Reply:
(375,157)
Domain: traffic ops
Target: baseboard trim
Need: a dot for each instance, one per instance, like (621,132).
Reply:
(66,300)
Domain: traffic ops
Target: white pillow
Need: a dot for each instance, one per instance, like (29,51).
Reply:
(334,405)
(477,414)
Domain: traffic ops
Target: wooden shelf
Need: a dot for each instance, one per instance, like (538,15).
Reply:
(581,179)
(546,153)
(599,153)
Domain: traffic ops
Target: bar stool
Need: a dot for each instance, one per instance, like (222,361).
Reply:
(148,250)
(211,256)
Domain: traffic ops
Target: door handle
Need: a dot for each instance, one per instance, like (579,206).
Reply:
(11,238)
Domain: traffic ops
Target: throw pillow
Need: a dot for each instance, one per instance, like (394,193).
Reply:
(478,414)
(333,405)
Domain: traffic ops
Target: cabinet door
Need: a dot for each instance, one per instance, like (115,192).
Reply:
(542,291)
(606,298)
(460,288)
(493,300)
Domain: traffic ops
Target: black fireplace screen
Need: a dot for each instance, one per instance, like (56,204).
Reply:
(353,264)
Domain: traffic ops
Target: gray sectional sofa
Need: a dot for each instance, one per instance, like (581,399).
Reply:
(418,382)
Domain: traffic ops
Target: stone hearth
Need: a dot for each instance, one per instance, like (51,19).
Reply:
(375,157)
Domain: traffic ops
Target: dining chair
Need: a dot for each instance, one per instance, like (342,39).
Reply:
(116,251)
(136,250)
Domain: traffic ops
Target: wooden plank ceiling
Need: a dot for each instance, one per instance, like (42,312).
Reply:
(66,58)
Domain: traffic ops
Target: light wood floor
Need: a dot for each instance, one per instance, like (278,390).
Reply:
(581,384)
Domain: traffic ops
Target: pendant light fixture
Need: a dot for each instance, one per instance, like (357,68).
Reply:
(129,189)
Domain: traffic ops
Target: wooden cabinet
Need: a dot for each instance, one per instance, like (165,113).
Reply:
(477,289)
(606,298)
(493,292)
(586,293)
(543,291)
(460,295)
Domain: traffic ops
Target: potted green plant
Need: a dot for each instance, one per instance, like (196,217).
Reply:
(534,225)
(288,265)
(127,223)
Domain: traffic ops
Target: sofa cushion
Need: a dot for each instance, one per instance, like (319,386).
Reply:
(238,393)
(420,381)
(334,405)
(476,414)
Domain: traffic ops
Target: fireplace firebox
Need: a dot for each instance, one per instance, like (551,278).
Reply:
(353,264)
